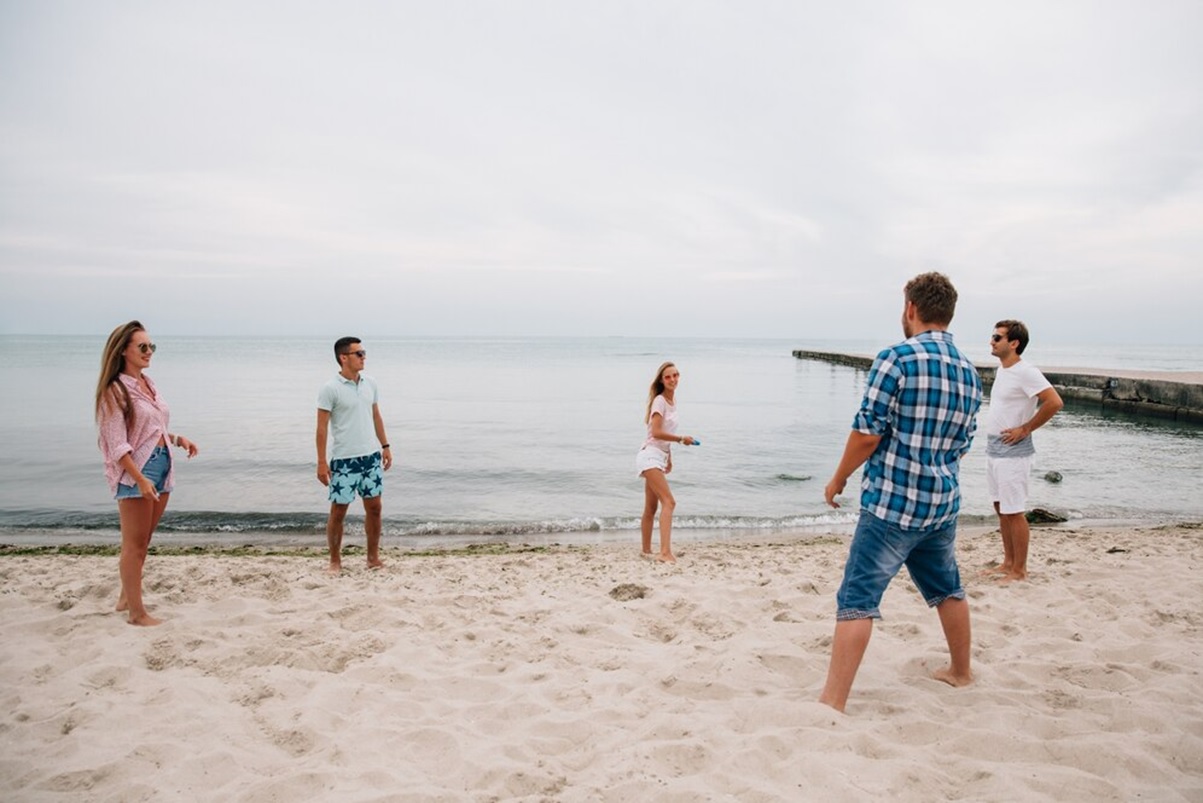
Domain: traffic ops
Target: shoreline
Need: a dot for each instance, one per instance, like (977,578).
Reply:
(31,539)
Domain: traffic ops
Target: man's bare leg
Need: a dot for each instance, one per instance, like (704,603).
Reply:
(1020,537)
(1007,544)
(954,618)
(334,536)
(847,650)
(373,525)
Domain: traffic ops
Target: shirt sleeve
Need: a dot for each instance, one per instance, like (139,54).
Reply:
(659,405)
(1034,382)
(325,398)
(114,436)
(877,408)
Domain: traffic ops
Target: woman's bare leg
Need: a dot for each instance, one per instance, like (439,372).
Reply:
(646,523)
(657,485)
(139,517)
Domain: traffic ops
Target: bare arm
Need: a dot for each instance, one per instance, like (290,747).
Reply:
(1050,404)
(323,465)
(659,434)
(857,450)
(185,444)
(378,420)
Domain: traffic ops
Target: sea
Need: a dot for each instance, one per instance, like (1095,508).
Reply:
(532,440)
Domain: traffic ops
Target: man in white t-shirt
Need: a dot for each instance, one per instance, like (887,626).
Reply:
(1021,401)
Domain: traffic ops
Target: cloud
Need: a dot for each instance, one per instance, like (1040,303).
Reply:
(482,167)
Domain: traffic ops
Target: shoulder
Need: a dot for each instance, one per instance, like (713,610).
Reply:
(1032,377)
(330,389)
(1030,369)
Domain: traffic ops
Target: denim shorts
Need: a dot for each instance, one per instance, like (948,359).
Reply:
(879,549)
(356,475)
(157,467)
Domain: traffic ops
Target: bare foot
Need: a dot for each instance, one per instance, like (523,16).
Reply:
(122,604)
(1013,577)
(946,675)
(647,554)
(992,570)
(376,564)
(830,704)
(145,620)
(334,569)
(666,557)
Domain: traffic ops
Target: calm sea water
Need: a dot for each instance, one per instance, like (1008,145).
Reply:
(532,438)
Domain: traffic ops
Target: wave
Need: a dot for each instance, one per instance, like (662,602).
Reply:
(304,524)
(309,527)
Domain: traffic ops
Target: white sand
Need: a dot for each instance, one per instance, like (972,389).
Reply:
(518,677)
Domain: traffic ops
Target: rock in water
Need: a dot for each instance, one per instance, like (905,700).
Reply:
(1039,515)
(1053,476)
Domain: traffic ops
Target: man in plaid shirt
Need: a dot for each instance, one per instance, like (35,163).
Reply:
(917,419)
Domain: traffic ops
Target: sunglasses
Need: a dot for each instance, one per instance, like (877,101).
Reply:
(147,348)
(995,338)
(360,354)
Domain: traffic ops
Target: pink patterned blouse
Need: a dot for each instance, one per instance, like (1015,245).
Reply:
(151,415)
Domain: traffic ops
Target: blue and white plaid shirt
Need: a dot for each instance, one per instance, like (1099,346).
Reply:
(922,399)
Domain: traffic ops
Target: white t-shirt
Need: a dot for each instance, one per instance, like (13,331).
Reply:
(1013,403)
(669,413)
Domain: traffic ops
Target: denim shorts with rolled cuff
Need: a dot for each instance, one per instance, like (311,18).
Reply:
(879,549)
(157,467)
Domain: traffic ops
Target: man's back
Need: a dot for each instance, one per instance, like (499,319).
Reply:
(922,398)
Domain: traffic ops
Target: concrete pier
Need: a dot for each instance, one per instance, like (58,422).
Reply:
(1170,395)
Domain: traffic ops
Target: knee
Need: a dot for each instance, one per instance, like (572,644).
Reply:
(668,503)
(338,513)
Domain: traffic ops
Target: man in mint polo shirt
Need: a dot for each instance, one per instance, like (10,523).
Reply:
(348,410)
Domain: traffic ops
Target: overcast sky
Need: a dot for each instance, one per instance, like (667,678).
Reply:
(600,168)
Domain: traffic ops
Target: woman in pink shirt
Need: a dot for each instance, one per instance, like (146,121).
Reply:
(134,439)
(655,460)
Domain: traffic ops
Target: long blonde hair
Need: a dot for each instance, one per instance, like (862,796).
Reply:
(112,361)
(656,389)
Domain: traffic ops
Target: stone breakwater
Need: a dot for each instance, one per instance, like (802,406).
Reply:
(1170,395)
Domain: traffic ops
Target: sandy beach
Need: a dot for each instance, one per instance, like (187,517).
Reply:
(588,673)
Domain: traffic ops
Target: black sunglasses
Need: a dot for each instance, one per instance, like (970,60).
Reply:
(994,338)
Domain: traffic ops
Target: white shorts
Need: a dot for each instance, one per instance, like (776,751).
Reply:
(1007,482)
(650,457)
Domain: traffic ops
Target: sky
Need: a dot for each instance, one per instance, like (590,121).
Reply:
(609,168)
